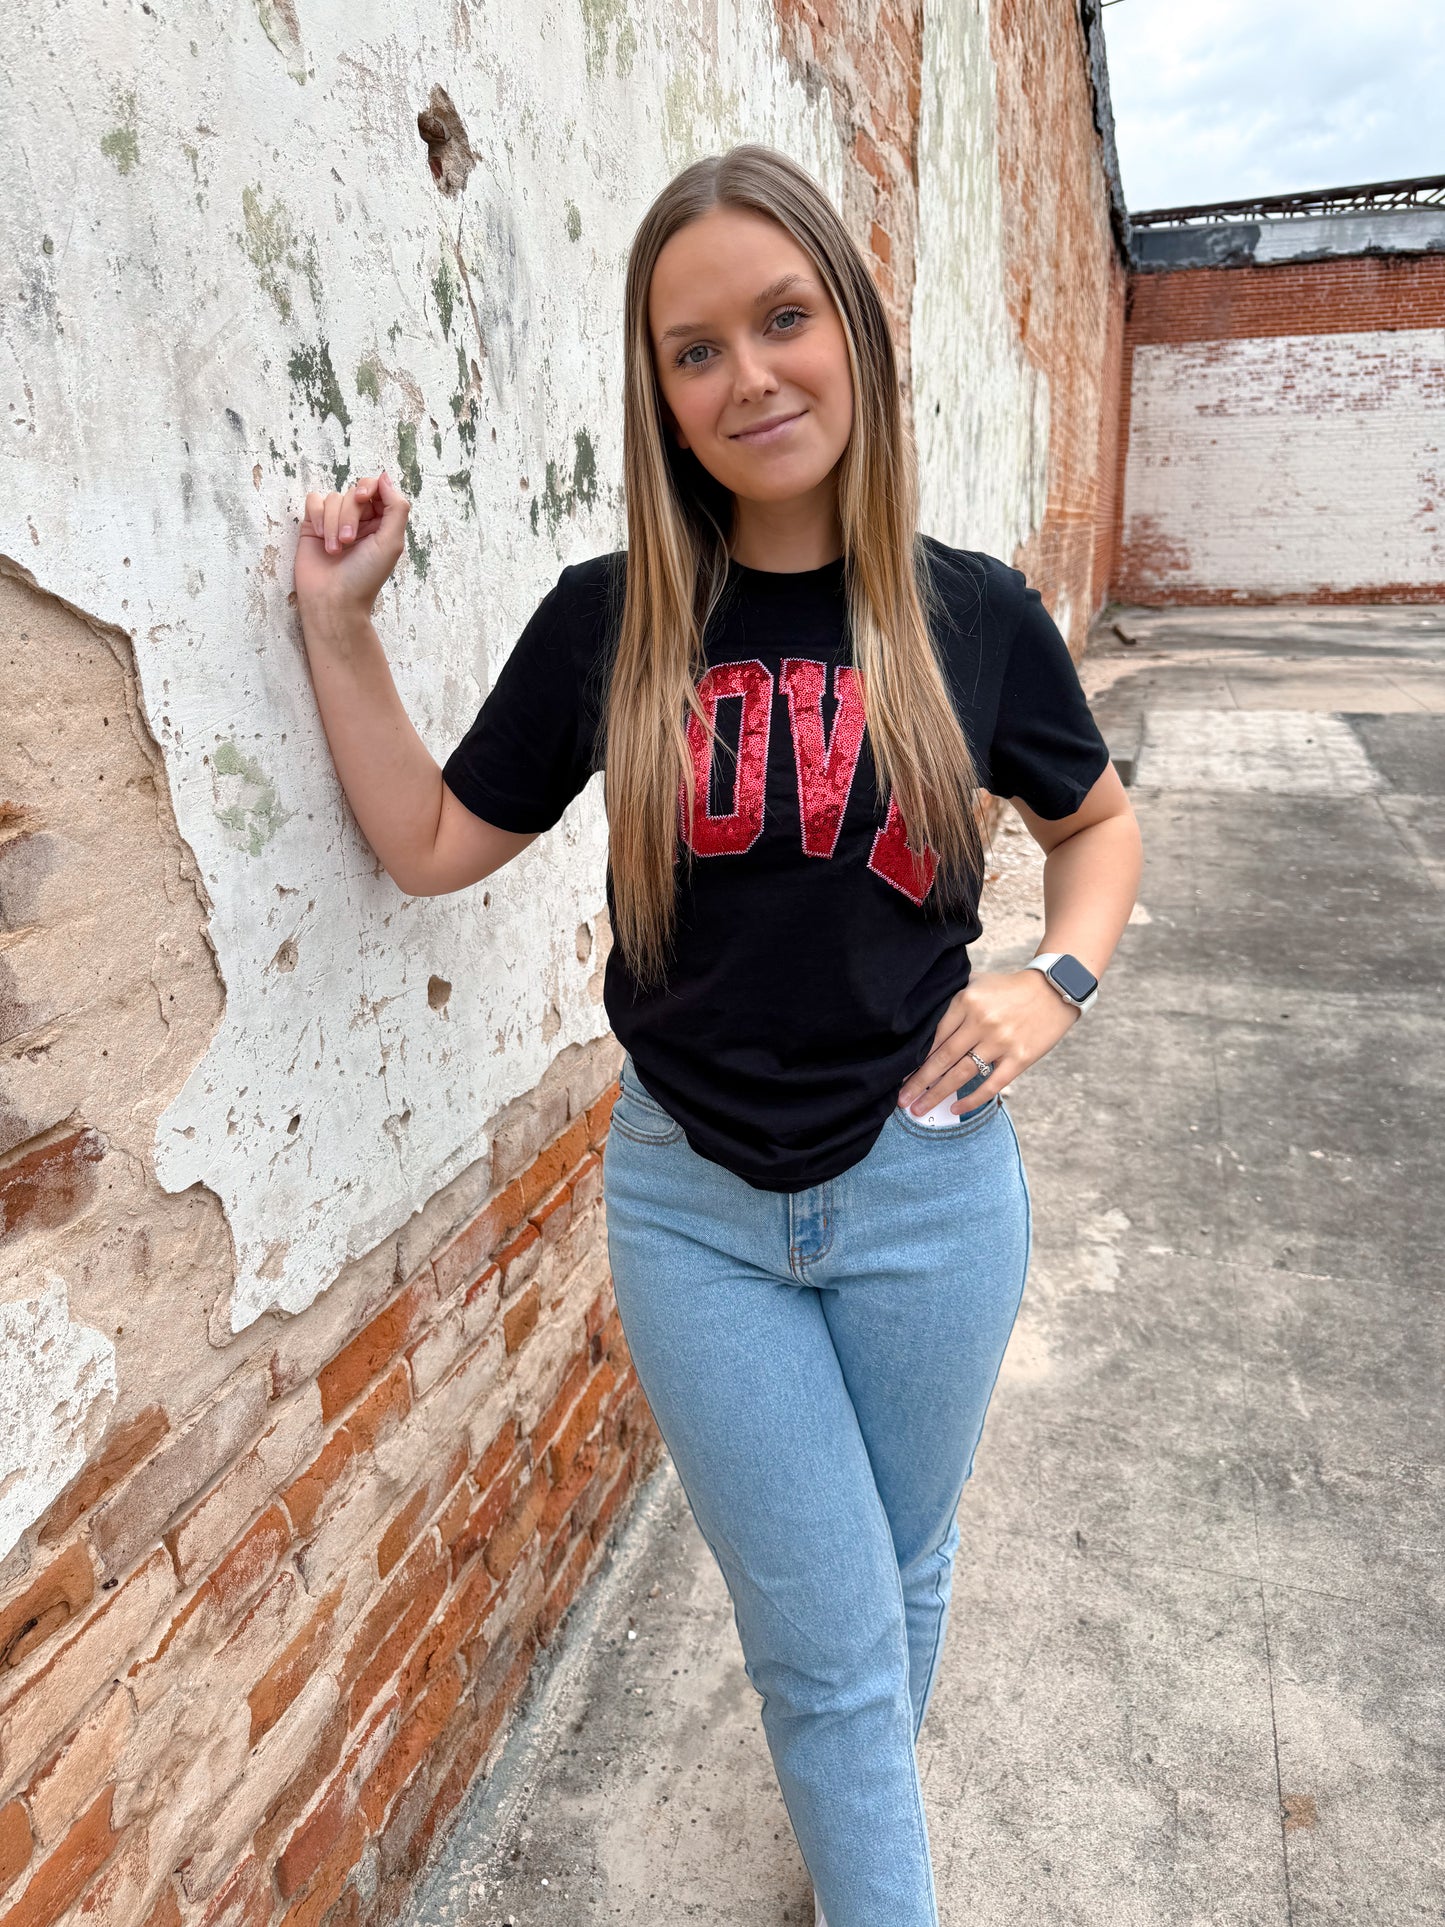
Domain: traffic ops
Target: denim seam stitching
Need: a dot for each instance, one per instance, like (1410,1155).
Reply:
(644,1137)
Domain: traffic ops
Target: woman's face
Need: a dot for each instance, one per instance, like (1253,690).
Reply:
(744,334)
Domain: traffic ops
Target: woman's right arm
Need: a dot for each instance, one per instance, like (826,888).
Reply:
(427,840)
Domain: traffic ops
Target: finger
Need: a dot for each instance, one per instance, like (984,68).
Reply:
(1002,1075)
(347,517)
(395,508)
(311,517)
(944,1061)
(332,522)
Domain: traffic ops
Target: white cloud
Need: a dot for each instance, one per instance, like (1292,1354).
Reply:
(1273,96)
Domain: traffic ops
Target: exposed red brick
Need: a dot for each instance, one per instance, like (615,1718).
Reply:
(312,1842)
(48,1183)
(388,1654)
(312,1495)
(565,1397)
(383,1408)
(319,1762)
(519,1320)
(131,1519)
(471,1249)
(278,1687)
(599,1116)
(245,1900)
(493,1506)
(566,1492)
(611,1502)
(250,1563)
(306,1497)
(398,1535)
(15,1843)
(514,1254)
(329,1881)
(48,1601)
(496,1455)
(58,1882)
(563,1589)
(167,1910)
(413,1740)
(551,1165)
(374,1348)
(504,1545)
(554,1214)
(124,1448)
(580,1421)
(455,1628)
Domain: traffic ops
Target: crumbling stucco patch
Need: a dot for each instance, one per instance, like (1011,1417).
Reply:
(57,1386)
(357,315)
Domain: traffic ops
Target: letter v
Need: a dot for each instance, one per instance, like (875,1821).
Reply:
(825,773)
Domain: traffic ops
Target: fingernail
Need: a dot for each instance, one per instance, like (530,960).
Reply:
(347,531)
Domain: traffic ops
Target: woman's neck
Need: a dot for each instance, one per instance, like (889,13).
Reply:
(785,537)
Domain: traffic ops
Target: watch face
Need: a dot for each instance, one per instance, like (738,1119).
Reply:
(1070,975)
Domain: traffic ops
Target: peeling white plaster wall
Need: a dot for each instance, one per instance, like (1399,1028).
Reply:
(231,277)
(982,407)
(1288,464)
(57,1386)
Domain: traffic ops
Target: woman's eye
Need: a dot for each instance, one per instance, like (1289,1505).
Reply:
(682,360)
(800,313)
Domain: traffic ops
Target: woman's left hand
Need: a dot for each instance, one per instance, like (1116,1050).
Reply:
(1010,1017)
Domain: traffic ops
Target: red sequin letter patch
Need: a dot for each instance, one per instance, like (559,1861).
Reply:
(825,773)
(892,859)
(742,826)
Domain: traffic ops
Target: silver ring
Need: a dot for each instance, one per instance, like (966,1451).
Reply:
(987,1069)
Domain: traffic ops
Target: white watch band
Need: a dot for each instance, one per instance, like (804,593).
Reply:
(1041,964)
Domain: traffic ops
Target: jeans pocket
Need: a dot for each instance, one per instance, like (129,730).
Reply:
(637,1113)
(963,1126)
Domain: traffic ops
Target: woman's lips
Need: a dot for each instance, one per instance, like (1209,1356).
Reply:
(771,432)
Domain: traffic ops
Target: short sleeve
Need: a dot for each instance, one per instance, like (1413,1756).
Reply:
(530,749)
(1047,749)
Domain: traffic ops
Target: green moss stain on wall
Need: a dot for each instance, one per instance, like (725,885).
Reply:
(406,457)
(555,501)
(314,379)
(247,806)
(574,221)
(122,143)
(600,19)
(368,378)
(444,292)
(270,243)
(464,404)
(419,551)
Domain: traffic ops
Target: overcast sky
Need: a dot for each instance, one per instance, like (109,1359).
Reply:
(1245,97)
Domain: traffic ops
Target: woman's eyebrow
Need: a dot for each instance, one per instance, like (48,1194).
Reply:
(780,286)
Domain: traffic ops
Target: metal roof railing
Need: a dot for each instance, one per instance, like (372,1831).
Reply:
(1425,190)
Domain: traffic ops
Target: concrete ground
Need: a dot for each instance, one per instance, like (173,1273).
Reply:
(1195,1670)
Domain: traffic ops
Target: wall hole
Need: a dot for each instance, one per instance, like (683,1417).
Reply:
(448,151)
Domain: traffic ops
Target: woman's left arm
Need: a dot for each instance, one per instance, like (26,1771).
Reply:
(1092,864)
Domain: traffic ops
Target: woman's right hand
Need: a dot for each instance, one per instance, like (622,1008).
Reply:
(343,572)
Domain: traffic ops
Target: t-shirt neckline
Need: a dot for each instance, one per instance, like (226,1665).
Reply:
(782,582)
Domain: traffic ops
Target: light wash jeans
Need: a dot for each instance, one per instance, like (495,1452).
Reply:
(819,1363)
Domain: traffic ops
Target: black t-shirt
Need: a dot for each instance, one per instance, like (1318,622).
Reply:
(810,970)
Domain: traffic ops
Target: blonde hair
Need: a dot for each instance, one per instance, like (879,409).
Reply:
(679,528)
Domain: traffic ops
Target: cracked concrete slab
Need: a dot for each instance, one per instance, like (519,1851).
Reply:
(1193,1671)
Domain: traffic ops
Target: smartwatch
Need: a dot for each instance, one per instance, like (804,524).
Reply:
(1075,984)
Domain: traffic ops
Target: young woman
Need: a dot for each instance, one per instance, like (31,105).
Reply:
(817,1216)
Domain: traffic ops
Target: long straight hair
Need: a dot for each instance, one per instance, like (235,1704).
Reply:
(679,529)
